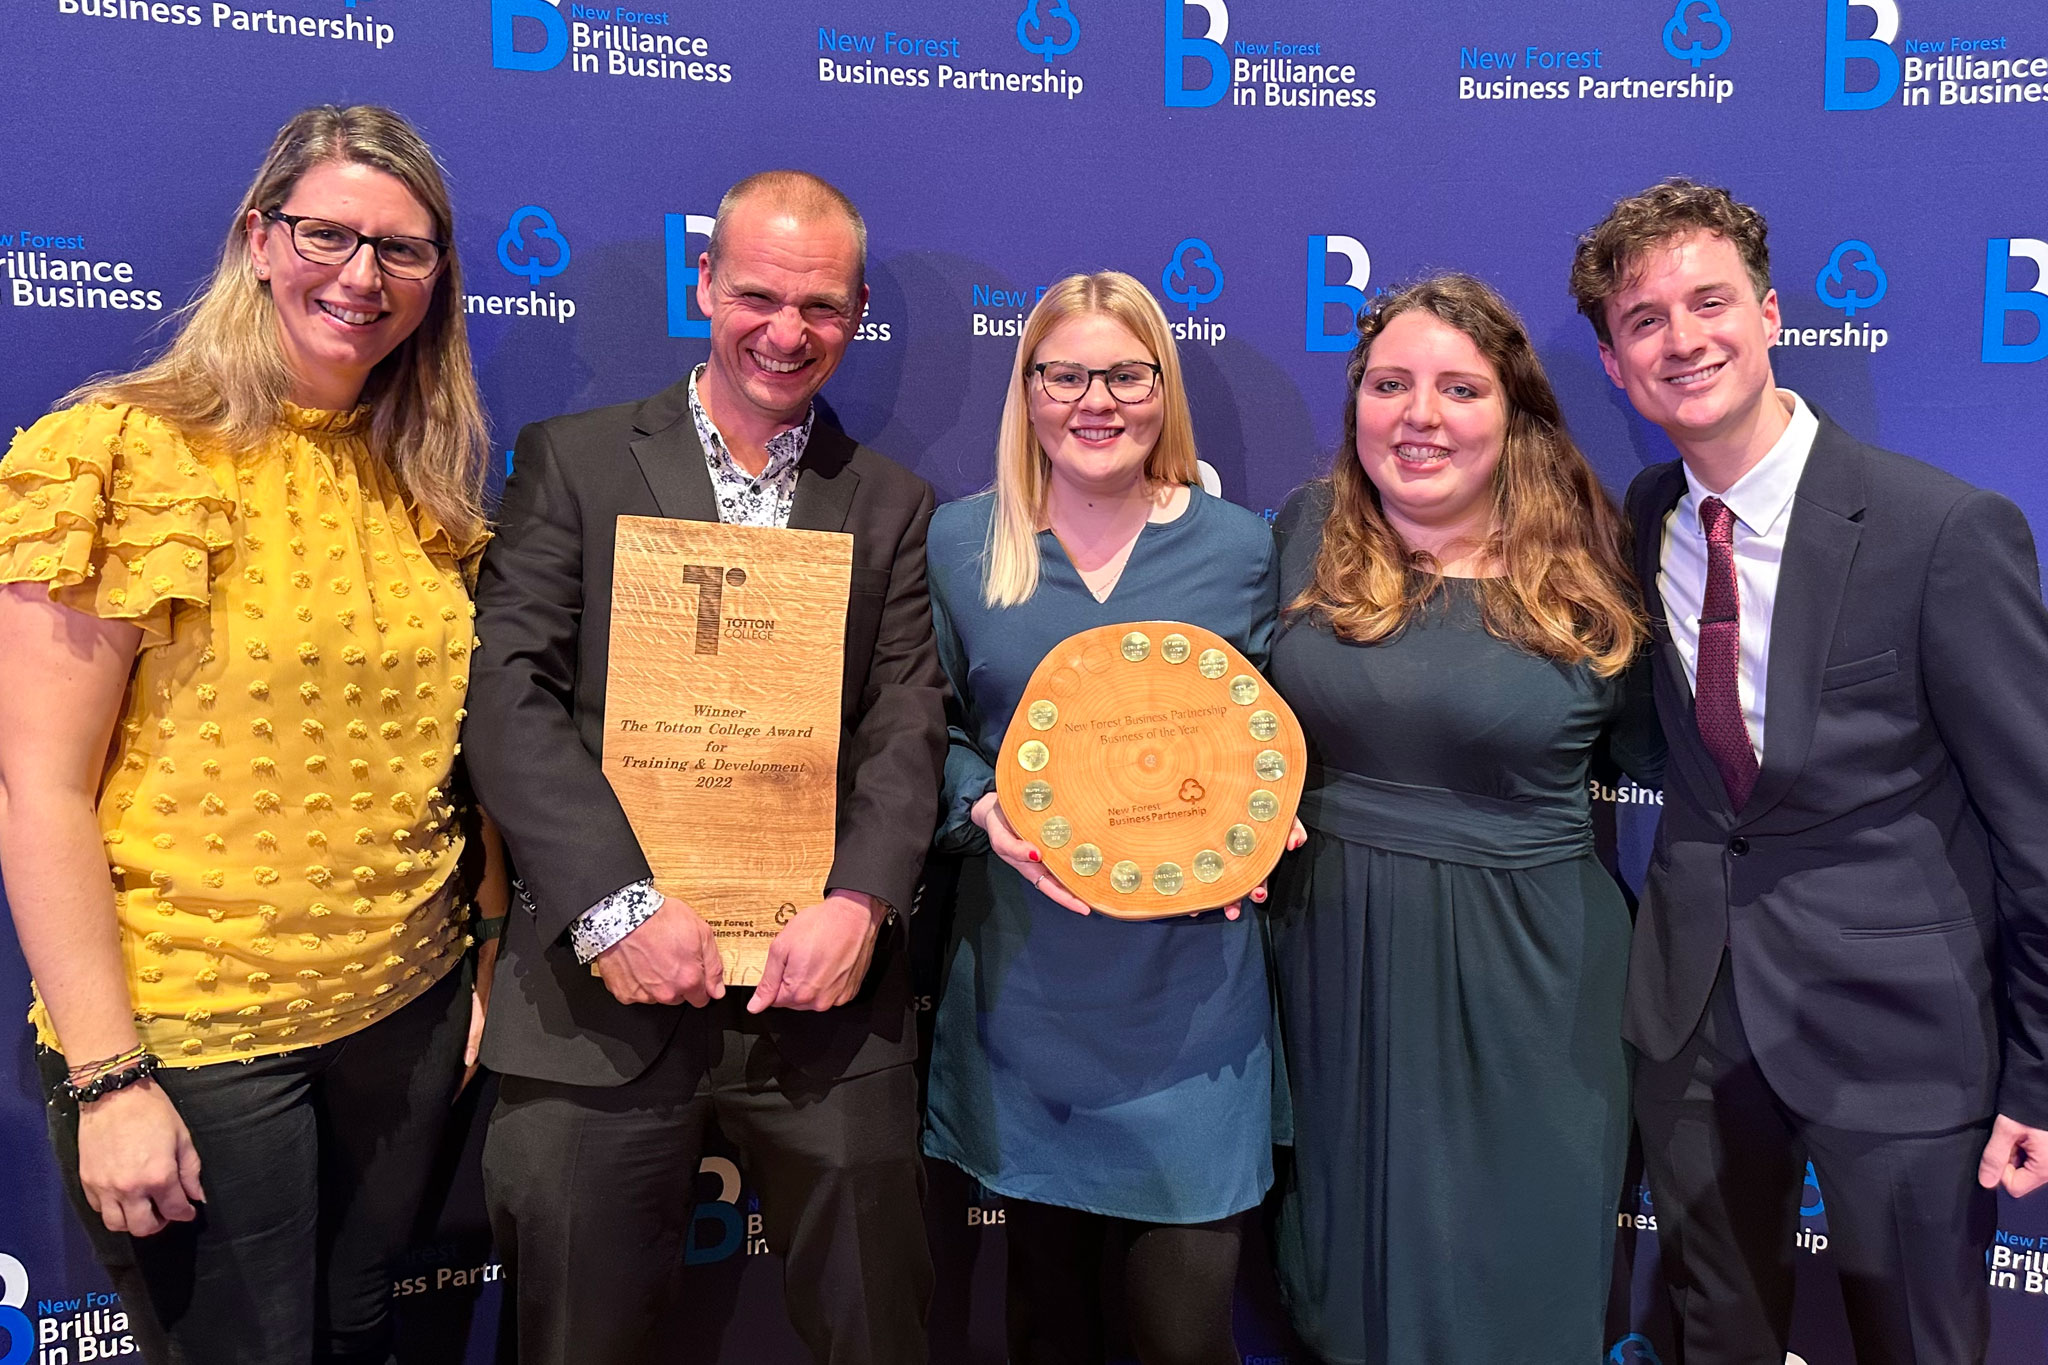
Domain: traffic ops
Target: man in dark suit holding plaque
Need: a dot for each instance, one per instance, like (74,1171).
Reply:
(1842,951)
(617,1037)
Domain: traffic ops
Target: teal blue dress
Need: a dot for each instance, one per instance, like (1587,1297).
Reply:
(1451,956)
(1124,1068)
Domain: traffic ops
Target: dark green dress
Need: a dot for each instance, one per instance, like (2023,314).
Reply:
(1450,957)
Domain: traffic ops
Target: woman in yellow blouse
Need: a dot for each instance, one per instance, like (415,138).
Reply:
(237,626)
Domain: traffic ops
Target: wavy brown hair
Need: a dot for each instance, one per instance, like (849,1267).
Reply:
(1609,256)
(224,375)
(1566,591)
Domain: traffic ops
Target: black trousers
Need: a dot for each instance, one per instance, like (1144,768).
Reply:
(1908,1226)
(1179,1286)
(591,1191)
(315,1163)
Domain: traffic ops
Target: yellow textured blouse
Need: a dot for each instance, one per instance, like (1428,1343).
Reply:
(275,809)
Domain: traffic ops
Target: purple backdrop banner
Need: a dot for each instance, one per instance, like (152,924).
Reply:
(1264,164)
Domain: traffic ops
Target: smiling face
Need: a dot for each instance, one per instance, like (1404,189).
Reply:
(784,298)
(1692,343)
(336,322)
(1431,423)
(1095,443)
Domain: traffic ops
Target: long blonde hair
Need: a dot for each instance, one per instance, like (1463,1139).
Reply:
(1567,592)
(224,375)
(1023,473)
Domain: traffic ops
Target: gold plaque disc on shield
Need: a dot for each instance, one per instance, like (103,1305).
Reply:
(1167,777)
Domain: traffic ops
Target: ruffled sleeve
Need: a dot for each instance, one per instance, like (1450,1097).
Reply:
(465,552)
(113,510)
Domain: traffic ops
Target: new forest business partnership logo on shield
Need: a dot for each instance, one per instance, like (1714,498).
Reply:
(625,41)
(1255,64)
(1353,266)
(1871,60)
(2009,311)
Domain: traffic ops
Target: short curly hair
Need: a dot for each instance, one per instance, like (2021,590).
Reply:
(1610,253)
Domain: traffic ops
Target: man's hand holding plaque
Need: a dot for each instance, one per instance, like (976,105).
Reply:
(820,957)
(672,958)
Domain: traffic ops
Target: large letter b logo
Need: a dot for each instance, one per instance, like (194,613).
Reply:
(1350,295)
(17,1333)
(678,229)
(1207,49)
(2001,302)
(1876,49)
(505,52)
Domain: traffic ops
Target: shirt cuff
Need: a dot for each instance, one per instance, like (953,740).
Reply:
(888,910)
(614,917)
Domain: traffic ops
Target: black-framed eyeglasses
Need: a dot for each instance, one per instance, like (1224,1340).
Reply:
(329,243)
(1128,381)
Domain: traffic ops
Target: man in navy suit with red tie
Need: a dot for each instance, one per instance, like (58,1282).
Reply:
(1842,950)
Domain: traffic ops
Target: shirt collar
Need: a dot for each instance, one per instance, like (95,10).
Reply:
(1761,498)
(784,448)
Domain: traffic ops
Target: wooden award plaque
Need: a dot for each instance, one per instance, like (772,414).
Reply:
(721,718)
(1153,768)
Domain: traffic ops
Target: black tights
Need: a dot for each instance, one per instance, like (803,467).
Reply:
(1179,1282)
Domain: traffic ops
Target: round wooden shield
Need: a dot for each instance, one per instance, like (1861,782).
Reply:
(1154,769)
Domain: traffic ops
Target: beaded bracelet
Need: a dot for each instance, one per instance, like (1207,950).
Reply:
(141,1069)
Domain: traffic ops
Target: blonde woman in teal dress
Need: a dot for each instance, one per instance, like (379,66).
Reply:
(1111,1079)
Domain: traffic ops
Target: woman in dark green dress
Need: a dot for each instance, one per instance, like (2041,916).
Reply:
(1458,637)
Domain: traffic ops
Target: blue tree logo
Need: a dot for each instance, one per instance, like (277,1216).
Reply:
(1028,23)
(531,265)
(1679,28)
(1833,284)
(1190,259)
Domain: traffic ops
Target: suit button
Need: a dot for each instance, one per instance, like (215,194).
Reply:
(1738,846)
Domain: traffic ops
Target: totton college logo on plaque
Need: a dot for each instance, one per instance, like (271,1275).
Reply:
(1155,768)
(721,722)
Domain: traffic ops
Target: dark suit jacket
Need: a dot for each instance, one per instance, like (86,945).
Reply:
(1883,895)
(534,735)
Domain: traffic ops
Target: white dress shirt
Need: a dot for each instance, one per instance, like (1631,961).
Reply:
(1762,503)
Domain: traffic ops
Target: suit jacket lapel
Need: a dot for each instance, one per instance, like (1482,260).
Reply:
(1658,499)
(825,482)
(1820,546)
(671,457)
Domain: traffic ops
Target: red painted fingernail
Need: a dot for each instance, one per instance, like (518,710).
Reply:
(1034,855)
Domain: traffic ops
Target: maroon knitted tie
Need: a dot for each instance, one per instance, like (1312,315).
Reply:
(1716,697)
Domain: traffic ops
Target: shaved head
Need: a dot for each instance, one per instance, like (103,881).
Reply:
(795,194)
